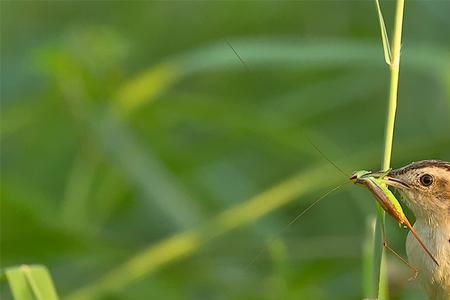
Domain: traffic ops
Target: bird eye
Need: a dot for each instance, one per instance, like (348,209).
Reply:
(426,180)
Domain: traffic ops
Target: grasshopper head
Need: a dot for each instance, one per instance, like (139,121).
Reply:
(358,175)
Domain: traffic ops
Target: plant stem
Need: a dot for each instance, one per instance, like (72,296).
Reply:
(395,69)
(380,264)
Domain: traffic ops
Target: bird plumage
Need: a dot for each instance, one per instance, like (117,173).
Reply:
(426,190)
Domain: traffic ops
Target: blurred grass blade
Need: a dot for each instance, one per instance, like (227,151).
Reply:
(267,52)
(145,170)
(384,35)
(368,258)
(145,86)
(112,135)
(155,256)
(379,271)
(18,284)
(383,284)
(41,282)
(75,205)
(373,252)
(31,283)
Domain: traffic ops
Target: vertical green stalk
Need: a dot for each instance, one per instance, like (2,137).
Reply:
(395,69)
(392,58)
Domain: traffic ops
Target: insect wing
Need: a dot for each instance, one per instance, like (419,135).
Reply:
(392,199)
(385,198)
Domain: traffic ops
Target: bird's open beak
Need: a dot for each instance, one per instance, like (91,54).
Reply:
(395,182)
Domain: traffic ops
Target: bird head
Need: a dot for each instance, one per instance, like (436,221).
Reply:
(425,187)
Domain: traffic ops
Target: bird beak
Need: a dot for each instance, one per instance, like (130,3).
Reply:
(395,182)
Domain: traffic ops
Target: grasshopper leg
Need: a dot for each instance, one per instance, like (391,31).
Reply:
(413,269)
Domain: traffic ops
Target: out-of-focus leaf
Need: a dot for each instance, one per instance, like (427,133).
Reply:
(268,52)
(18,283)
(146,86)
(31,283)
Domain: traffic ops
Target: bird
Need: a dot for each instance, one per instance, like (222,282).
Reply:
(425,188)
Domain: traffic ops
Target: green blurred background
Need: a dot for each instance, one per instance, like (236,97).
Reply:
(124,124)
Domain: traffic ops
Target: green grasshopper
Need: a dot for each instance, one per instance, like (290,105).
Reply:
(376,183)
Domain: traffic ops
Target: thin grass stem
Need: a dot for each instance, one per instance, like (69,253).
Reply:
(379,266)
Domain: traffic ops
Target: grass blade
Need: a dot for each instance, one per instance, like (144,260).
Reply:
(151,259)
(31,283)
(18,284)
(379,263)
(384,35)
(368,258)
(306,54)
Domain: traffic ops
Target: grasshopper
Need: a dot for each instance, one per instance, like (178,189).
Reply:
(376,183)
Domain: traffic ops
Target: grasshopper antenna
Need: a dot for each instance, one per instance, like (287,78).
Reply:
(303,212)
(238,56)
(307,138)
(309,207)
(326,157)
(314,203)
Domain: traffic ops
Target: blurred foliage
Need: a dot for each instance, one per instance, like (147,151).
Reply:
(140,159)
(31,282)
